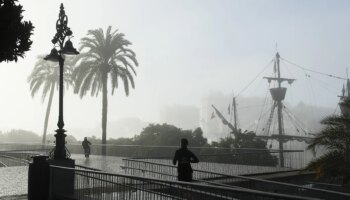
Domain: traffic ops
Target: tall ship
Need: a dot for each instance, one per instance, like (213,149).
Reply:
(278,112)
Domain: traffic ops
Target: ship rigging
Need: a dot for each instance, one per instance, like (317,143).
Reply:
(278,93)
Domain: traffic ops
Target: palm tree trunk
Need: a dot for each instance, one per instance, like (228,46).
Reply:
(48,109)
(104,114)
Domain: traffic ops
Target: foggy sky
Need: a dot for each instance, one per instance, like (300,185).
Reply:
(186,50)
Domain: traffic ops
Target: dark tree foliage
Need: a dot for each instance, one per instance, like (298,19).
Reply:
(334,164)
(247,139)
(169,135)
(119,141)
(14,33)
(241,155)
(155,140)
(198,138)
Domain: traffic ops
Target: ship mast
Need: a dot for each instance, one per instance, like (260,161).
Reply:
(235,113)
(344,103)
(278,94)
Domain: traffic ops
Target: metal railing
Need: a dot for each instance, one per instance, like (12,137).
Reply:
(9,161)
(86,168)
(169,172)
(14,170)
(10,158)
(293,159)
(141,150)
(239,156)
(90,184)
(241,161)
(23,146)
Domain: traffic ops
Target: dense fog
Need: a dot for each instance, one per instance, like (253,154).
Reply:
(190,55)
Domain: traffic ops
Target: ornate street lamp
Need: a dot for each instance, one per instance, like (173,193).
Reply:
(63,32)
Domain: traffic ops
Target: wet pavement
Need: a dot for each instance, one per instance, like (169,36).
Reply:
(14,180)
(15,197)
(105,163)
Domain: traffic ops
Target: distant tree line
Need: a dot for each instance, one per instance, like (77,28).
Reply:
(25,136)
(19,136)
(166,137)
(161,140)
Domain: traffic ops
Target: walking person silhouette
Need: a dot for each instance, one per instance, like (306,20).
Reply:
(184,157)
(86,146)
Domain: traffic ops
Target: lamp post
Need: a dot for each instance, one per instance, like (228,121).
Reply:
(63,32)
(39,174)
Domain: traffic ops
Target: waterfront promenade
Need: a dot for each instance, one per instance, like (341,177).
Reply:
(14,180)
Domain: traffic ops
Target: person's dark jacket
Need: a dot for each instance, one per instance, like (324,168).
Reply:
(86,144)
(184,157)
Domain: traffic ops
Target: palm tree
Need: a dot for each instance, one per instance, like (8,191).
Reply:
(46,75)
(335,138)
(106,56)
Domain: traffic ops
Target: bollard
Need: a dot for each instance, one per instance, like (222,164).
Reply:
(38,178)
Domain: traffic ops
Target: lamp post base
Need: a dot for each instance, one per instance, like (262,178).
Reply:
(60,152)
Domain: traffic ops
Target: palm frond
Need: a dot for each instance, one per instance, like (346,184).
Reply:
(335,138)
(45,73)
(335,120)
(109,52)
(114,78)
(34,89)
(331,163)
(46,88)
